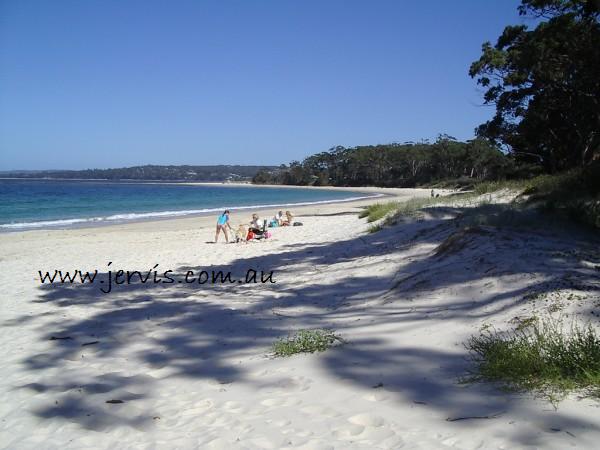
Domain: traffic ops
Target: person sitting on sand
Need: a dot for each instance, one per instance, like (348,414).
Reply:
(279,218)
(254,225)
(223,224)
(241,234)
(289,219)
(254,221)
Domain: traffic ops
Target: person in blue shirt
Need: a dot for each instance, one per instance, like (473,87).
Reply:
(223,224)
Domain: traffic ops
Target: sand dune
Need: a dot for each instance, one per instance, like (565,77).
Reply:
(189,366)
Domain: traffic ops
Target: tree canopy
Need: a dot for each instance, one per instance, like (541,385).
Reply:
(394,165)
(545,84)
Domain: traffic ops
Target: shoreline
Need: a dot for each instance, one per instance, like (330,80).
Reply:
(161,216)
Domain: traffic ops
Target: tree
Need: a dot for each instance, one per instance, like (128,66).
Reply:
(545,84)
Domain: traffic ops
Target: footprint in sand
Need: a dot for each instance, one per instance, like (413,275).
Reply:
(233,407)
(291,384)
(278,423)
(217,444)
(376,396)
(320,411)
(315,445)
(263,442)
(217,419)
(244,429)
(199,408)
(374,435)
(348,432)
(367,420)
(297,433)
(279,402)
(369,429)
(394,441)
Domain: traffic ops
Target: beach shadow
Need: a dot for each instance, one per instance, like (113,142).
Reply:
(199,331)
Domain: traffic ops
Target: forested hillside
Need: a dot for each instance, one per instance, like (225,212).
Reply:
(162,173)
(396,165)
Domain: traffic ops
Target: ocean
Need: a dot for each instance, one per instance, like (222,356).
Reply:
(34,204)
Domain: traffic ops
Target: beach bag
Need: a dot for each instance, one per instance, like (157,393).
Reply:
(274,224)
(298,224)
(267,234)
(250,235)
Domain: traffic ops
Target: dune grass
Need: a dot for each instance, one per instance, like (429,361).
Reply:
(574,195)
(391,211)
(305,341)
(542,357)
(413,205)
(378,211)
(374,228)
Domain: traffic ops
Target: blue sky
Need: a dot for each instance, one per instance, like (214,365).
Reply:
(92,83)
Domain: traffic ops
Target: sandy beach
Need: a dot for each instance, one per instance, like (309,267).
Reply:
(187,365)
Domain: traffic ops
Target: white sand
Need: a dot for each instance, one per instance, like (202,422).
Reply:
(191,362)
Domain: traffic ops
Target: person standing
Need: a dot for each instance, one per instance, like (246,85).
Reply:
(223,224)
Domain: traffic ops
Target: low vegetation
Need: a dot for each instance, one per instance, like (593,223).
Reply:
(540,356)
(392,210)
(378,211)
(573,195)
(305,341)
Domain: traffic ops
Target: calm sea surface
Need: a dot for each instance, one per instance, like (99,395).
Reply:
(30,204)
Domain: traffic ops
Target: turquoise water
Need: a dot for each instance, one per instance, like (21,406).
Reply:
(30,204)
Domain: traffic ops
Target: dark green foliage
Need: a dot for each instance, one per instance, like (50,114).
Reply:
(395,165)
(575,194)
(543,357)
(545,84)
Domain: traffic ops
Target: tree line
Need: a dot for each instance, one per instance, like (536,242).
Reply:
(395,165)
(218,173)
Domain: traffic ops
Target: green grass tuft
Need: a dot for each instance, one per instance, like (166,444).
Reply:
(540,356)
(374,228)
(413,205)
(378,211)
(487,187)
(305,341)
(393,210)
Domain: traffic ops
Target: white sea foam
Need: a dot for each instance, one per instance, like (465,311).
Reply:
(117,218)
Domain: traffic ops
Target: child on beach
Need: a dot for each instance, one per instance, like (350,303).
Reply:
(223,224)
(241,234)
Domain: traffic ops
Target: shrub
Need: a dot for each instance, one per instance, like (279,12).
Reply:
(305,341)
